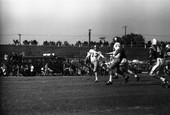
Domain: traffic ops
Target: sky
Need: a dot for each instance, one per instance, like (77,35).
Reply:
(70,20)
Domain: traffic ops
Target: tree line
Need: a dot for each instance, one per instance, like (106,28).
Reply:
(129,40)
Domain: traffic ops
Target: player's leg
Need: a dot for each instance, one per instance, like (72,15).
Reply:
(96,76)
(116,75)
(111,72)
(122,71)
(134,73)
(161,73)
(95,63)
(155,68)
(111,68)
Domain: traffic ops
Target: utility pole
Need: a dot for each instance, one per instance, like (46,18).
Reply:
(89,37)
(19,39)
(125,28)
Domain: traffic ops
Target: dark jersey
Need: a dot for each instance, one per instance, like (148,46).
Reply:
(167,54)
(122,53)
(155,52)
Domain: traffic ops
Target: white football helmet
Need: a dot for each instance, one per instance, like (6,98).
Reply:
(168,46)
(154,41)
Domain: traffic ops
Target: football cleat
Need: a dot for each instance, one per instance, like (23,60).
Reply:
(96,81)
(109,83)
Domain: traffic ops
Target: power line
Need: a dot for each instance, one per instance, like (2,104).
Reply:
(80,35)
(8,34)
(156,35)
(52,35)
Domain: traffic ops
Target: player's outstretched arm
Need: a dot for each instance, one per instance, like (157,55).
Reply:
(110,53)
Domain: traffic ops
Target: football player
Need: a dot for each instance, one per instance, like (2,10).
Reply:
(156,54)
(167,59)
(94,55)
(118,55)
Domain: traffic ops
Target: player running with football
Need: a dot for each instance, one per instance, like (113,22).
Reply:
(94,57)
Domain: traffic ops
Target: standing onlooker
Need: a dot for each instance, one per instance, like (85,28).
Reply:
(31,70)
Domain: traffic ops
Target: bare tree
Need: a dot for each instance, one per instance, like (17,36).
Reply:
(16,42)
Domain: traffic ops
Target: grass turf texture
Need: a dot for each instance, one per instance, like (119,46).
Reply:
(80,95)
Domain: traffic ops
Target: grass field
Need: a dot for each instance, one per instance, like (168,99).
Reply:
(51,95)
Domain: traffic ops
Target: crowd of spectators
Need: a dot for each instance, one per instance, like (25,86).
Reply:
(19,65)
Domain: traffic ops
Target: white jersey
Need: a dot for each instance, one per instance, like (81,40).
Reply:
(94,55)
(117,46)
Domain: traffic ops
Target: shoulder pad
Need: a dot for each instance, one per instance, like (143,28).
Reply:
(91,50)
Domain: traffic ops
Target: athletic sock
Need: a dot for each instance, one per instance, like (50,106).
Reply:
(96,78)
(110,78)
